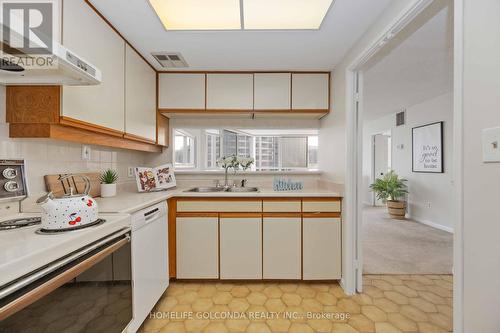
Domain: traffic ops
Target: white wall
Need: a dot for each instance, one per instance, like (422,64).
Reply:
(332,139)
(481,109)
(429,199)
(45,156)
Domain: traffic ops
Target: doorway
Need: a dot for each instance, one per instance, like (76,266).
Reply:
(354,201)
(381,161)
(417,238)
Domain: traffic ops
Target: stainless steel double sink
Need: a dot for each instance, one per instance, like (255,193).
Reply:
(211,189)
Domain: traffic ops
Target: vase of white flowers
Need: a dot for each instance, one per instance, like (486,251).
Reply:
(233,162)
(245,162)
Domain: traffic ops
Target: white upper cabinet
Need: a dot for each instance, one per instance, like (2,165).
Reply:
(86,34)
(140,97)
(230,91)
(181,91)
(272,91)
(310,91)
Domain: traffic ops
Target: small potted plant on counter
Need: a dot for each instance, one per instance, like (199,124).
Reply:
(392,190)
(108,183)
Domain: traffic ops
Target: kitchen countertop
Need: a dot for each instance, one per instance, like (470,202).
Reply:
(129,201)
(22,250)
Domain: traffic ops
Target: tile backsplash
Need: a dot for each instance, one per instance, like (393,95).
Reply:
(44,157)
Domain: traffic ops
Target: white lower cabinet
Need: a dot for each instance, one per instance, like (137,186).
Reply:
(241,248)
(197,247)
(282,248)
(322,248)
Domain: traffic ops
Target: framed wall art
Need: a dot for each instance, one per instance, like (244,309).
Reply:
(427,148)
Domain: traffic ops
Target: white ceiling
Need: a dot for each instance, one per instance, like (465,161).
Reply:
(416,66)
(321,49)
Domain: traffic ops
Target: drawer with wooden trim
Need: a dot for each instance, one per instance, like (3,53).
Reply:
(281,206)
(219,206)
(311,205)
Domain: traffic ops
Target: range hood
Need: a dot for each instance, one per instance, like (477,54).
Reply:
(67,69)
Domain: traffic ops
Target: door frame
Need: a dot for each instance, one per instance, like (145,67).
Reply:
(352,279)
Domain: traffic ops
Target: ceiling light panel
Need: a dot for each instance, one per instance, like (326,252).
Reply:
(284,14)
(198,14)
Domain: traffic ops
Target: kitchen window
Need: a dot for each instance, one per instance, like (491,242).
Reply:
(212,147)
(272,149)
(184,149)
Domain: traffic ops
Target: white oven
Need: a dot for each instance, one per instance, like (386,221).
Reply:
(88,290)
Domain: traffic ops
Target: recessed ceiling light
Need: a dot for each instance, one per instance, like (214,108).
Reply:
(198,14)
(284,14)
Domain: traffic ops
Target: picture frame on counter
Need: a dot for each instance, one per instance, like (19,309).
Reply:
(155,179)
(427,148)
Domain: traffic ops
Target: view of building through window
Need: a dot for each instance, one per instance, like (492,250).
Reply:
(273,150)
(184,149)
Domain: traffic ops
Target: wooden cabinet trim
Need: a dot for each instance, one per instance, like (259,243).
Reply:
(310,110)
(229,110)
(162,130)
(321,199)
(79,135)
(33,104)
(260,111)
(321,215)
(180,110)
(20,130)
(68,121)
(243,72)
(172,238)
(239,215)
(138,138)
(279,215)
(218,199)
(196,214)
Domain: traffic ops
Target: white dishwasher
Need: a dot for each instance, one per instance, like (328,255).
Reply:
(150,274)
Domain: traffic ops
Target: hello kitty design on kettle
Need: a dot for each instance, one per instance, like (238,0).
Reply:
(69,211)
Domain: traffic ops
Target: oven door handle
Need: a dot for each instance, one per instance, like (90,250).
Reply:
(59,280)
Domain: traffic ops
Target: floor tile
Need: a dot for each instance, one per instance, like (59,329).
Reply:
(389,303)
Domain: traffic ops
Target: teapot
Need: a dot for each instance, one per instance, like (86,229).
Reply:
(69,211)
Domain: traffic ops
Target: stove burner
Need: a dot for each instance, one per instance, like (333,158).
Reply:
(58,231)
(19,223)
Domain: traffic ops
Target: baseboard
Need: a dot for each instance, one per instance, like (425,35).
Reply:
(366,203)
(433,224)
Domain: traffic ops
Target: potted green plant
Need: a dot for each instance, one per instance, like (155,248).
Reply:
(392,190)
(108,183)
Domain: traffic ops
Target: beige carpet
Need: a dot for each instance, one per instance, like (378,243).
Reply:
(403,247)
